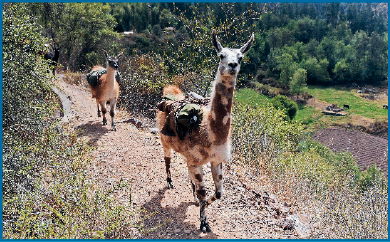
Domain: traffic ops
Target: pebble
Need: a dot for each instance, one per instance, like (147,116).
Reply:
(177,230)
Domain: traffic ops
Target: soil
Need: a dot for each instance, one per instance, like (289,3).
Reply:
(365,148)
(135,154)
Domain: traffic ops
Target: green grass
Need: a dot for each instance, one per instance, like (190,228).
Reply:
(313,118)
(250,96)
(358,105)
(307,114)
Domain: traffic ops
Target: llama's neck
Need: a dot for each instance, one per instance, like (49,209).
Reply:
(110,76)
(221,108)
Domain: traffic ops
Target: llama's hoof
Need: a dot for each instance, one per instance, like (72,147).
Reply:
(104,122)
(196,201)
(170,185)
(204,227)
(113,128)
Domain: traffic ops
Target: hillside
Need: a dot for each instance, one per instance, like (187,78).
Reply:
(136,155)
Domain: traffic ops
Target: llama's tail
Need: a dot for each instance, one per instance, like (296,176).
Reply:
(174,91)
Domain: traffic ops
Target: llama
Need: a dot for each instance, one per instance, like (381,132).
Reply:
(53,57)
(210,141)
(106,89)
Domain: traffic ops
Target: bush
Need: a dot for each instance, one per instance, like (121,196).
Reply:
(48,189)
(261,132)
(326,185)
(284,103)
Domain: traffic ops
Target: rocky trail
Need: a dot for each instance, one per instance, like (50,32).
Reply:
(246,210)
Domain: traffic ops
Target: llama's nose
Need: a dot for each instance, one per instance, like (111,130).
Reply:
(233,64)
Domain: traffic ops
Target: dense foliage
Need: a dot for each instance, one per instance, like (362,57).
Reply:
(338,43)
(47,190)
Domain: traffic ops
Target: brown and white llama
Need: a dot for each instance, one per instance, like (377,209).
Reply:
(210,141)
(107,89)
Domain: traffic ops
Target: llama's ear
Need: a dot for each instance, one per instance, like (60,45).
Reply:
(248,44)
(105,53)
(119,55)
(215,41)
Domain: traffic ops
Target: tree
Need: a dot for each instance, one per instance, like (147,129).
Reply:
(316,70)
(331,12)
(85,30)
(343,72)
(287,67)
(298,81)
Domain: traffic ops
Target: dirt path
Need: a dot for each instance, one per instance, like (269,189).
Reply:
(135,155)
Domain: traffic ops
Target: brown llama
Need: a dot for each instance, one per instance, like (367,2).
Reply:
(106,89)
(210,141)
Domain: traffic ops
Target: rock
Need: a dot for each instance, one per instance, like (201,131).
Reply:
(285,210)
(287,224)
(277,229)
(134,121)
(287,204)
(302,229)
(154,130)
(258,193)
(177,230)
(273,198)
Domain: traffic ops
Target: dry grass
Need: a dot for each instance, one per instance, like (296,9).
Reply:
(340,199)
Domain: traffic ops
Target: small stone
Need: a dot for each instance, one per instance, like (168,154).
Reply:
(317,225)
(273,198)
(286,224)
(287,204)
(277,229)
(187,231)
(177,230)
(154,130)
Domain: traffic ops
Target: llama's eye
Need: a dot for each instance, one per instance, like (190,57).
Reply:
(221,56)
(239,59)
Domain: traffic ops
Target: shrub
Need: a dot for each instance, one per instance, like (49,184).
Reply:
(261,132)
(284,103)
(350,203)
(48,189)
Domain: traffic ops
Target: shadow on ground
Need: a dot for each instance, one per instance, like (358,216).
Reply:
(93,131)
(170,220)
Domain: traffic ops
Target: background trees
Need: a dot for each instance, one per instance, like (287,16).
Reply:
(336,43)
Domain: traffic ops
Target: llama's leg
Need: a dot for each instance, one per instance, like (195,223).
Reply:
(216,170)
(98,108)
(196,175)
(104,111)
(112,113)
(167,159)
(194,193)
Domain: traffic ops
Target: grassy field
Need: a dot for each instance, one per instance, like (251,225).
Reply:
(362,111)
(358,106)
(250,96)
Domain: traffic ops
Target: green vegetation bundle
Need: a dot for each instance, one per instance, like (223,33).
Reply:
(48,190)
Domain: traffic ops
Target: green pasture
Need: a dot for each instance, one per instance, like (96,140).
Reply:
(358,106)
(250,97)
(313,118)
